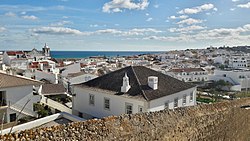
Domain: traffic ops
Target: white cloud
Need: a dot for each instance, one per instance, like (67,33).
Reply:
(118,5)
(178,17)
(140,32)
(149,19)
(23,13)
(56,30)
(10,14)
(31,17)
(198,9)
(108,31)
(223,35)
(61,23)
(232,9)
(235,0)
(247,5)
(181,38)
(94,25)
(187,29)
(145,30)
(69,31)
(117,10)
(2,29)
(190,21)
(147,14)
(156,6)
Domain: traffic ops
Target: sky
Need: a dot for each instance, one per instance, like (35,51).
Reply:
(123,25)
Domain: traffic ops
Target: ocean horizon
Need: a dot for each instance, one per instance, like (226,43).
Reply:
(85,54)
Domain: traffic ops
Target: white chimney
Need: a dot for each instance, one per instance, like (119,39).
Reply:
(153,82)
(125,84)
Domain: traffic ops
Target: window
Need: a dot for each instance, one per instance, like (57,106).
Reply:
(106,103)
(175,102)
(91,99)
(12,117)
(140,109)
(166,105)
(191,96)
(80,115)
(184,100)
(129,108)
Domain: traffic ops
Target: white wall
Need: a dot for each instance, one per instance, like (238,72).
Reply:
(74,68)
(82,78)
(18,96)
(19,63)
(6,59)
(159,104)
(117,103)
(239,77)
(42,121)
(45,75)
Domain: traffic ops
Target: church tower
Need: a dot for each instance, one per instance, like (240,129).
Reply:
(46,50)
(125,84)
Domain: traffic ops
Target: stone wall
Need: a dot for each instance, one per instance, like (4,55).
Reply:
(221,121)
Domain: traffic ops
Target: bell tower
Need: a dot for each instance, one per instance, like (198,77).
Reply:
(46,50)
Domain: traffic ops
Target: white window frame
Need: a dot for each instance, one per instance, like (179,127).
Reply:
(92,99)
(191,96)
(176,102)
(104,103)
(166,105)
(184,99)
(140,109)
(126,110)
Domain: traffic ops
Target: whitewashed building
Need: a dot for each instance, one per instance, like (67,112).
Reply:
(15,59)
(17,93)
(73,68)
(240,79)
(130,90)
(239,61)
(189,74)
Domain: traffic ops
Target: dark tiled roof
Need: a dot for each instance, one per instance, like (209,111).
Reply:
(7,81)
(186,70)
(138,80)
(48,89)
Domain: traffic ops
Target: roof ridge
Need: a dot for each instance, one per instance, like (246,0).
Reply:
(143,93)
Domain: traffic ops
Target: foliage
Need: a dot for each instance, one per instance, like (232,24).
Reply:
(42,110)
(25,119)
(205,100)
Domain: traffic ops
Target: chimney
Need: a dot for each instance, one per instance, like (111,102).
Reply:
(153,82)
(125,84)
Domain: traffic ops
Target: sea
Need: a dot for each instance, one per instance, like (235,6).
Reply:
(86,54)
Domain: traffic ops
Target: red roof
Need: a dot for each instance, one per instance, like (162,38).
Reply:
(93,63)
(83,65)
(13,53)
(44,62)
